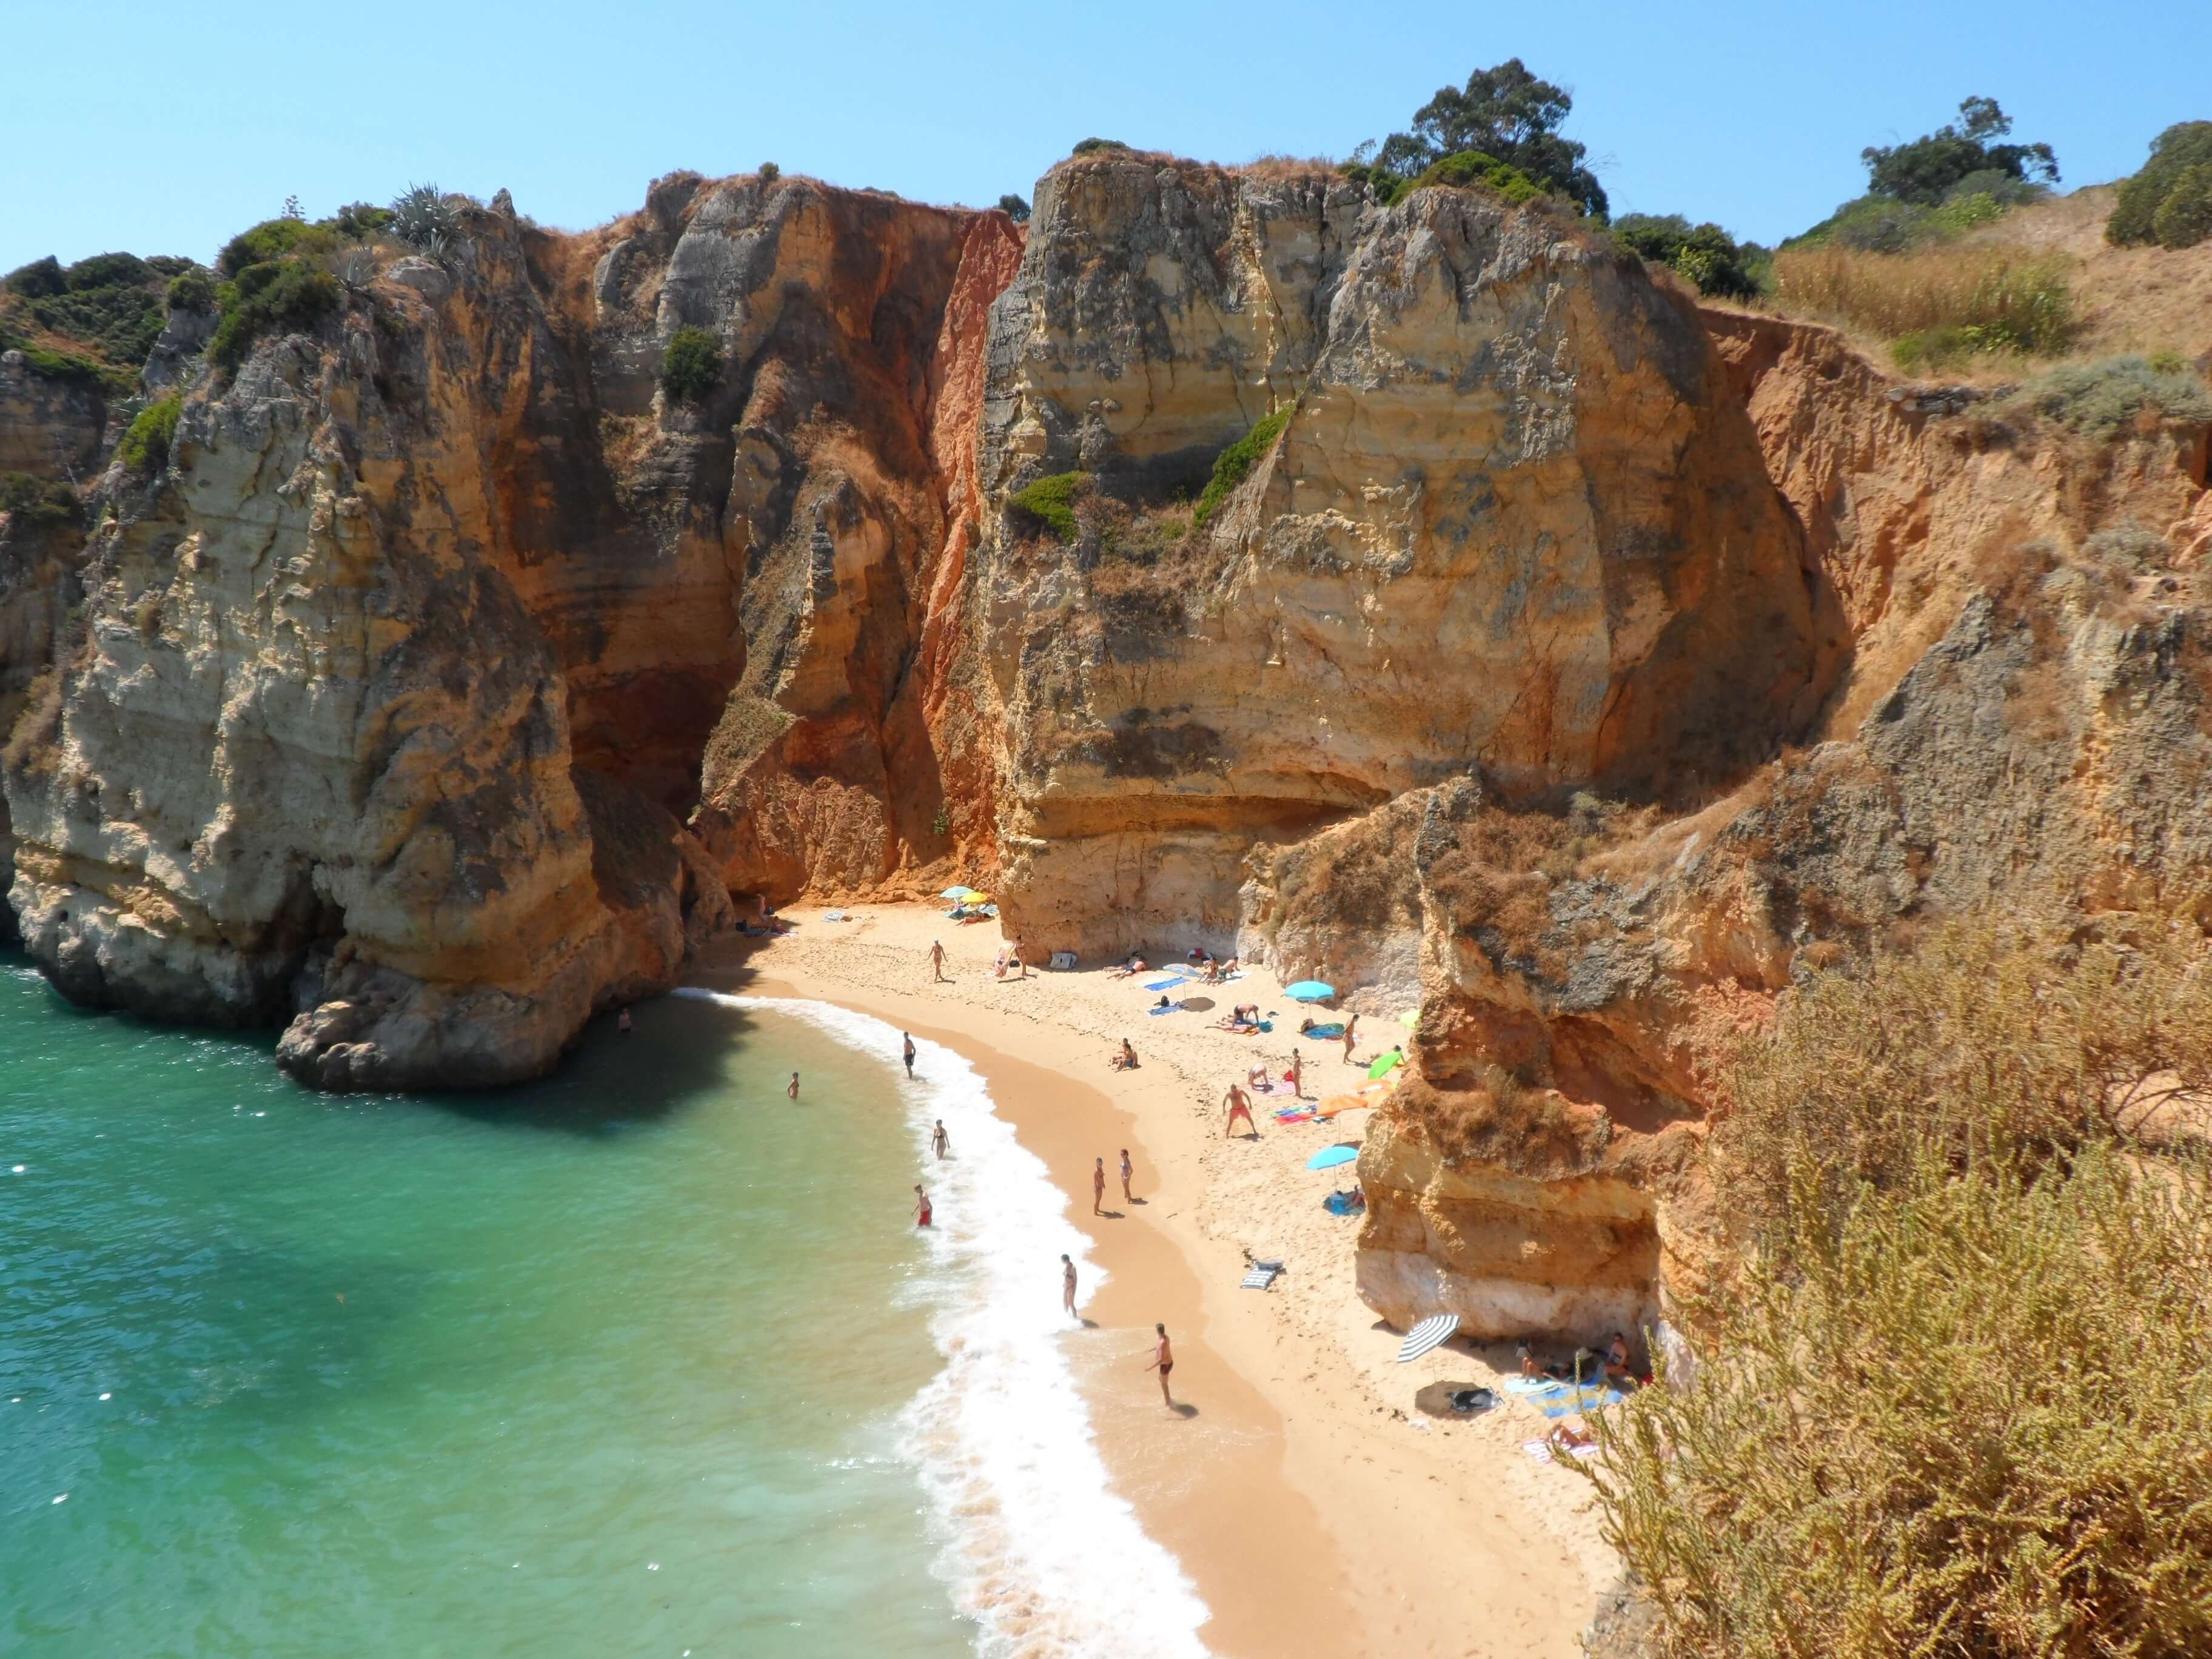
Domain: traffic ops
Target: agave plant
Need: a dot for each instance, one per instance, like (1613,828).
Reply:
(424,218)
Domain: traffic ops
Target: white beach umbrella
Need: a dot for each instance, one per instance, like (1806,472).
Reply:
(1429,1333)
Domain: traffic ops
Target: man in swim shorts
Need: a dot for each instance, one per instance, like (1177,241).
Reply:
(940,1142)
(790,1089)
(921,1206)
(909,1038)
(1240,1105)
(1163,1361)
(1067,1286)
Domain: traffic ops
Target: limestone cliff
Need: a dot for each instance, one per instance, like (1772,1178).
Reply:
(1515,521)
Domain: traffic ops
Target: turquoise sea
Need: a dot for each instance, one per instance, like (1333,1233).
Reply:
(618,1364)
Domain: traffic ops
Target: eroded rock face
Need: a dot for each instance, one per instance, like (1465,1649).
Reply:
(48,428)
(1515,521)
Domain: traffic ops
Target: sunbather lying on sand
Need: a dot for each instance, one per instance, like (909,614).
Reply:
(1135,964)
(1530,1368)
(1563,1439)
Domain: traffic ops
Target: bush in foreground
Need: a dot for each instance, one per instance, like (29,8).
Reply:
(1956,1404)
(1973,1420)
(1048,503)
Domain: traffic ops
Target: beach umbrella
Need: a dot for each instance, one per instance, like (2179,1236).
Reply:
(1410,1018)
(1310,990)
(957,893)
(1336,1104)
(1329,1157)
(1386,1065)
(1430,1333)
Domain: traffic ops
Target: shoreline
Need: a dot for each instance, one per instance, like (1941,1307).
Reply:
(1309,1508)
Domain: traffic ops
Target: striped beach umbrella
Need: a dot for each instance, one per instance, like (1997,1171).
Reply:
(1430,1333)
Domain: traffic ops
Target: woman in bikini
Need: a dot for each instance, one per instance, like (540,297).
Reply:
(1127,1169)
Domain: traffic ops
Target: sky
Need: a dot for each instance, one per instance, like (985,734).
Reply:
(162,129)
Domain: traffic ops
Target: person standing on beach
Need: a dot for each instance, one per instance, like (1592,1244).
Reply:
(790,1088)
(1127,1169)
(1098,1187)
(936,960)
(1295,1076)
(1067,1286)
(908,1038)
(1163,1361)
(1350,1025)
(940,1141)
(1240,1105)
(921,1207)
(622,1022)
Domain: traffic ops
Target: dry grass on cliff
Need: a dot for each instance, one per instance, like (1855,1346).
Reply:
(1956,1403)
(1974,1419)
(1989,1038)
(1956,300)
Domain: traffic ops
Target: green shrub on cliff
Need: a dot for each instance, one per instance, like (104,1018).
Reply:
(44,502)
(1048,503)
(691,363)
(289,294)
(2104,399)
(1092,146)
(145,446)
(2175,154)
(191,290)
(1704,255)
(1235,464)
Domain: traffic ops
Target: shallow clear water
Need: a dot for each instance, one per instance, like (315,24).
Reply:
(619,1363)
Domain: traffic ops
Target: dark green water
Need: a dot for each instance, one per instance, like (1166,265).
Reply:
(608,1365)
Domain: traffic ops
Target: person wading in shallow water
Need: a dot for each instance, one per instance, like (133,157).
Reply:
(921,1211)
(1163,1361)
(937,959)
(1067,1286)
(791,1087)
(940,1141)
(909,1038)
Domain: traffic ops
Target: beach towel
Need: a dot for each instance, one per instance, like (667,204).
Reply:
(1172,1008)
(1172,983)
(1542,1453)
(1324,1032)
(1261,1276)
(1555,1399)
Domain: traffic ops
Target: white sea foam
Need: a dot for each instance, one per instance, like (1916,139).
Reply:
(1048,1562)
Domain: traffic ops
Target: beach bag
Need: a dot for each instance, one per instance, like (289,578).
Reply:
(1063,961)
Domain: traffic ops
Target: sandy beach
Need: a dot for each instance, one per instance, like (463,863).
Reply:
(1314,1509)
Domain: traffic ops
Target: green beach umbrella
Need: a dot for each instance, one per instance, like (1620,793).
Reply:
(1410,1018)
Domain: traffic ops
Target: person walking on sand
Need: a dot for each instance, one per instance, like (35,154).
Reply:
(1240,1105)
(920,1206)
(1295,1077)
(1127,1169)
(936,960)
(1098,1187)
(790,1088)
(940,1142)
(1067,1286)
(908,1038)
(1350,1026)
(1163,1361)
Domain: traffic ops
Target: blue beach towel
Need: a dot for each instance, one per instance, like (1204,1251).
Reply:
(1172,1008)
(1324,1032)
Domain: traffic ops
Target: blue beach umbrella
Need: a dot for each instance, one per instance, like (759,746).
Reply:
(1329,1157)
(1310,990)
(956,892)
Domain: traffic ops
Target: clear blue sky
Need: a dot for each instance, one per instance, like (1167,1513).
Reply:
(165,129)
